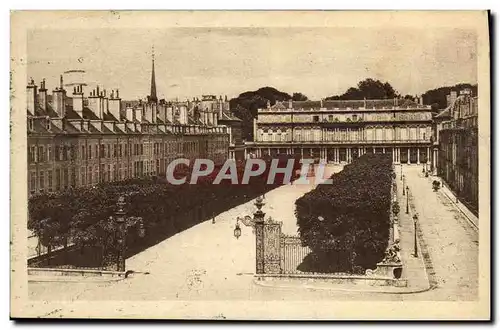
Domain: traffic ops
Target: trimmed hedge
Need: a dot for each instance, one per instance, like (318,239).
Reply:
(83,215)
(346,224)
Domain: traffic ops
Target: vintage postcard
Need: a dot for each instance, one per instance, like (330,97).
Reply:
(227,165)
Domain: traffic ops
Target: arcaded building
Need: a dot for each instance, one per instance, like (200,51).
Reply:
(77,140)
(339,131)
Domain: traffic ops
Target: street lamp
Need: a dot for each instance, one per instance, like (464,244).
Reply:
(403,178)
(415,248)
(248,220)
(123,223)
(407,200)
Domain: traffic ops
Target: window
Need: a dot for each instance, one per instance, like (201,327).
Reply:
(89,175)
(49,153)
(108,151)
(65,178)
(120,151)
(82,176)
(33,182)
(47,124)
(315,119)
(49,180)
(114,150)
(101,150)
(330,117)
(32,154)
(89,155)
(30,124)
(41,156)
(82,155)
(354,117)
(58,179)
(42,181)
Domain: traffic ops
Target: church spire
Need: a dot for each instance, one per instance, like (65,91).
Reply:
(152,95)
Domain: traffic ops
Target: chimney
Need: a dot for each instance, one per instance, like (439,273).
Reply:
(129,113)
(148,112)
(183,115)
(95,103)
(31,97)
(453,96)
(114,105)
(42,96)
(58,102)
(138,114)
(78,100)
(170,114)
(421,100)
(289,104)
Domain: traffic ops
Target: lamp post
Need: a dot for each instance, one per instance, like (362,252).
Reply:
(247,220)
(407,200)
(123,223)
(403,178)
(257,222)
(415,248)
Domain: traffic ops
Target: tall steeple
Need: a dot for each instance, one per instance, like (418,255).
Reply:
(152,95)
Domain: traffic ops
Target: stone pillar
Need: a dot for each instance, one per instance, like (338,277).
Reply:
(272,247)
(428,156)
(269,151)
(259,237)
(301,152)
(383,150)
(418,156)
(408,162)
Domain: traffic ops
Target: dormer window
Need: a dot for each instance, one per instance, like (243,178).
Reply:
(47,124)
(30,124)
(354,117)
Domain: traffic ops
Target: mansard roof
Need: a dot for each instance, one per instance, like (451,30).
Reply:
(344,104)
(109,117)
(89,114)
(49,111)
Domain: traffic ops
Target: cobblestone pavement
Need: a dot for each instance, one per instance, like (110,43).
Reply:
(450,239)
(206,262)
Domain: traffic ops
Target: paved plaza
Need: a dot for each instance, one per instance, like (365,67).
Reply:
(206,262)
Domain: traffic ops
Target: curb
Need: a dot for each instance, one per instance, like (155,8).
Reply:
(340,289)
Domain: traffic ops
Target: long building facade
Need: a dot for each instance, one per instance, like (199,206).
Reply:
(77,140)
(458,147)
(339,131)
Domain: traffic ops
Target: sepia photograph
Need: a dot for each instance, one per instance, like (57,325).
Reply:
(250,165)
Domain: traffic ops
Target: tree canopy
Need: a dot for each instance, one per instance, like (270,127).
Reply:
(370,89)
(246,104)
(437,97)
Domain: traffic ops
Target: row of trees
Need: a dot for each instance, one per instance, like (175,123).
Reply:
(84,215)
(370,89)
(346,224)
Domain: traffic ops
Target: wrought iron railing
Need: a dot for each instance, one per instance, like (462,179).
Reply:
(292,254)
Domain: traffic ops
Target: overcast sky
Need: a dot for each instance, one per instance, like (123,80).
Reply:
(318,62)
